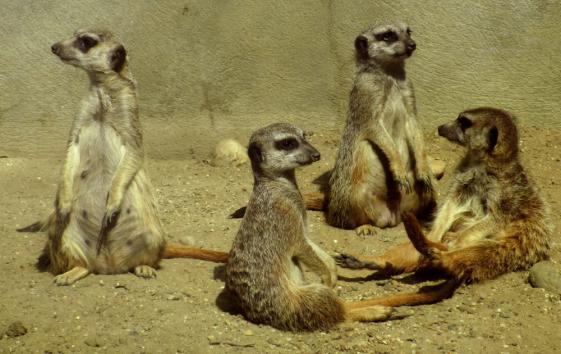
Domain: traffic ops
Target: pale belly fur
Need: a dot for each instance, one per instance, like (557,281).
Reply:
(138,236)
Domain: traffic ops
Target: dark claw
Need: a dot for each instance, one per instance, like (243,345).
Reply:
(404,185)
(351,262)
(426,184)
(107,224)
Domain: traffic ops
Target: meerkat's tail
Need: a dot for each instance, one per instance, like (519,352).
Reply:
(417,237)
(179,251)
(38,226)
(429,295)
(314,201)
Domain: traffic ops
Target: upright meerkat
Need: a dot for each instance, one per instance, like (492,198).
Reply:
(105,218)
(492,221)
(264,269)
(381,169)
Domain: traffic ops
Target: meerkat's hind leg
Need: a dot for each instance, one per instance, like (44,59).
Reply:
(366,230)
(145,271)
(344,260)
(72,276)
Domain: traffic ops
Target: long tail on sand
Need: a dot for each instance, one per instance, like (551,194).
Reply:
(171,250)
(38,226)
(427,295)
(179,251)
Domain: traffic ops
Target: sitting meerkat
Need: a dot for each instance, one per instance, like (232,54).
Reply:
(264,269)
(493,220)
(105,219)
(382,168)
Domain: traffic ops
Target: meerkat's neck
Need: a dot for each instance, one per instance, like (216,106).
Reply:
(114,84)
(286,177)
(394,70)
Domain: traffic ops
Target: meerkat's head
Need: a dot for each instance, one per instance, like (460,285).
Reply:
(486,132)
(387,44)
(93,51)
(280,147)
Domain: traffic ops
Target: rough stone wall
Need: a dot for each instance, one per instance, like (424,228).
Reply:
(208,69)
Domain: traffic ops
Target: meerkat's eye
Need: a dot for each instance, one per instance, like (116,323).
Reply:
(409,31)
(388,36)
(464,123)
(287,144)
(85,43)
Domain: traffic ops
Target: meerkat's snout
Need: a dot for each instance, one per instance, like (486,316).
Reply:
(411,46)
(314,154)
(55,48)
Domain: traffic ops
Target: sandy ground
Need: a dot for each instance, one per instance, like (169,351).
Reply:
(177,313)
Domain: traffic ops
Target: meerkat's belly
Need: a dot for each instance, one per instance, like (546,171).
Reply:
(138,235)
(100,152)
(394,118)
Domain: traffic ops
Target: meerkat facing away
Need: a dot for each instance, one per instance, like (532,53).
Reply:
(105,218)
(493,220)
(264,269)
(381,169)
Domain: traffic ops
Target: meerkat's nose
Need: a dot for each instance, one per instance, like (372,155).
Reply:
(315,156)
(411,46)
(55,48)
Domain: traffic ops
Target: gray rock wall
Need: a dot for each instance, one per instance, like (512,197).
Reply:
(209,69)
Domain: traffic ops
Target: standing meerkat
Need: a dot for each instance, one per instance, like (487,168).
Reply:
(381,169)
(264,269)
(105,219)
(493,220)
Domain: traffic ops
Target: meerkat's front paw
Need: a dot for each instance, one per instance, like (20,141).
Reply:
(330,278)
(450,236)
(425,182)
(63,206)
(108,222)
(144,271)
(402,182)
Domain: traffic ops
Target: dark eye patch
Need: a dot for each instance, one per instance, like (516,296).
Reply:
(464,123)
(286,144)
(409,31)
(388,36)
(84,43)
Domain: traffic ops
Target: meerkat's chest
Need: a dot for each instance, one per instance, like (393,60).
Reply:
(100,148)
(397,107)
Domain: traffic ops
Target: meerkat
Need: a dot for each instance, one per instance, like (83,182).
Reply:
(264,269)
(229,152)
(493,220)
(105,219)
(381,169)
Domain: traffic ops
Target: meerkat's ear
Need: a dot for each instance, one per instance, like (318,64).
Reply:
(493,138)
(117,59)
(254,153)
(361,46)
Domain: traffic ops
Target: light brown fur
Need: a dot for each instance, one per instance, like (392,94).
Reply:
(263,273)
(382,168)
(493,220)
(105,218)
